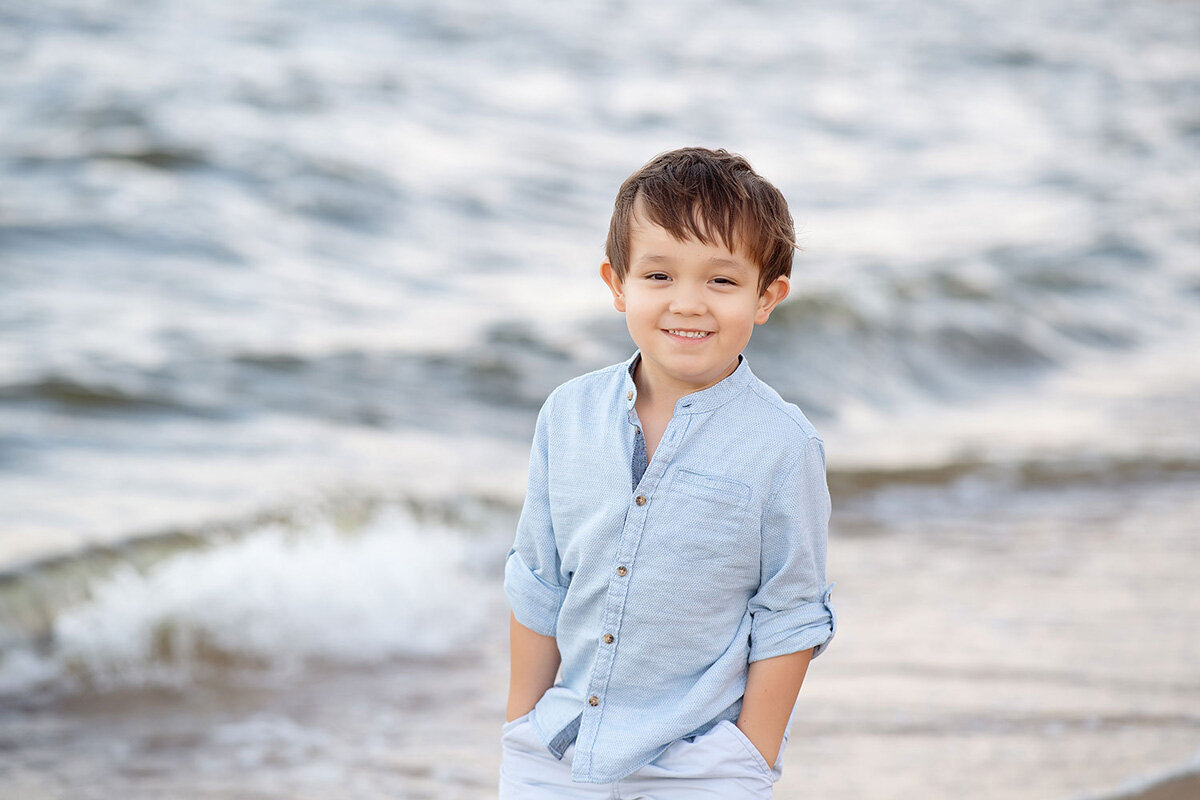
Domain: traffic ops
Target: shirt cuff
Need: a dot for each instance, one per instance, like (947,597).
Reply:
(534,602)
(777,633)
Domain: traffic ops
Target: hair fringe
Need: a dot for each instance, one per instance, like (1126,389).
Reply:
(713,196)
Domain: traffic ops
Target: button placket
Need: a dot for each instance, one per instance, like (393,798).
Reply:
(618,586)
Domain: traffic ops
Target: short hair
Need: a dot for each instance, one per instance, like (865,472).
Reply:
(709,195)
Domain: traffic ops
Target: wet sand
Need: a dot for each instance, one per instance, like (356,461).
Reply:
(1042,647)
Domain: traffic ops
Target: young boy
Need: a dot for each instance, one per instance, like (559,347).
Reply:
(670,554)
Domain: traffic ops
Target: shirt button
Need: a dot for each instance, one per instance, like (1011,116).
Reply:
(593,701)
(640,499)
(622,571)
(629,395)
(608,638)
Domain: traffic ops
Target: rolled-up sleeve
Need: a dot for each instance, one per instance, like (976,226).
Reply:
(791,611)
(532,570)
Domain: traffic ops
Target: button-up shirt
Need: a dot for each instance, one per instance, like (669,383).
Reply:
(661,596)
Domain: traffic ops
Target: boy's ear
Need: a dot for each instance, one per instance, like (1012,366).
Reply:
(615,284)
(772,297)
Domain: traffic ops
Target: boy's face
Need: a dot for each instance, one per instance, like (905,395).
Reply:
(690,307)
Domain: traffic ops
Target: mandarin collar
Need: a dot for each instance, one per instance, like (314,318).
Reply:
(696,402)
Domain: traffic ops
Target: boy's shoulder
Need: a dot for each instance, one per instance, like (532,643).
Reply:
(584,387)
(775,417)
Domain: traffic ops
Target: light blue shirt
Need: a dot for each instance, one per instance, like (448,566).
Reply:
(660,597)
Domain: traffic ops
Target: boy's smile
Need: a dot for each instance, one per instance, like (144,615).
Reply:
(690,307)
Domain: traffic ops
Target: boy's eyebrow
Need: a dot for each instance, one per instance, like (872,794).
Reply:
(716,261)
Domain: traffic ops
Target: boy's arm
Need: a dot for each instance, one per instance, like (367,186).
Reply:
(534,664)
(771,688)
(532,582)
(792,618)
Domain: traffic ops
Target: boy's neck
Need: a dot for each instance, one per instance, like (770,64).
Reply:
(662,398)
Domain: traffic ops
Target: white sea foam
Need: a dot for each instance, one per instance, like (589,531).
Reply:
(277,599)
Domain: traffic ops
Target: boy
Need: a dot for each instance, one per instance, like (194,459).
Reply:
(670,554)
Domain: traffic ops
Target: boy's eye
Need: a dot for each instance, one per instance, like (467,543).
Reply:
(725,281)
(657,276)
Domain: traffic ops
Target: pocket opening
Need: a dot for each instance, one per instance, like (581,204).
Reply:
(751,750)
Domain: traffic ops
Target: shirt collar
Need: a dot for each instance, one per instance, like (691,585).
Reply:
(697,402)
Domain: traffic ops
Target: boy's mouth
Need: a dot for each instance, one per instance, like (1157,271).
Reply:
(687,334)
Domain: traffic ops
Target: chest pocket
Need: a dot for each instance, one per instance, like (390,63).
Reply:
(711,487)
(708,517)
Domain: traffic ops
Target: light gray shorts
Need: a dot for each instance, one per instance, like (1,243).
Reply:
(720,763)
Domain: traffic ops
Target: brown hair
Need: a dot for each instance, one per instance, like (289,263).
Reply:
(708,195)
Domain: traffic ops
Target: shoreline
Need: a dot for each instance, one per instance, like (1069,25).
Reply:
(1178,786)
(969,627)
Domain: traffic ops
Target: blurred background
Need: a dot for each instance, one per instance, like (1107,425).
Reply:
(283,285)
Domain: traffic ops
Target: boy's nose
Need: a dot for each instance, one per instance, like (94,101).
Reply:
(687,300)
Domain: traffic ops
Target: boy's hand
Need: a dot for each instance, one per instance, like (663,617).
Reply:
(771,688)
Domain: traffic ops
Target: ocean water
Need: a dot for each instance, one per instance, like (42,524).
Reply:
(282,287)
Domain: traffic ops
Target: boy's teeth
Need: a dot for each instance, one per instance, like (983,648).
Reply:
(690,334)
